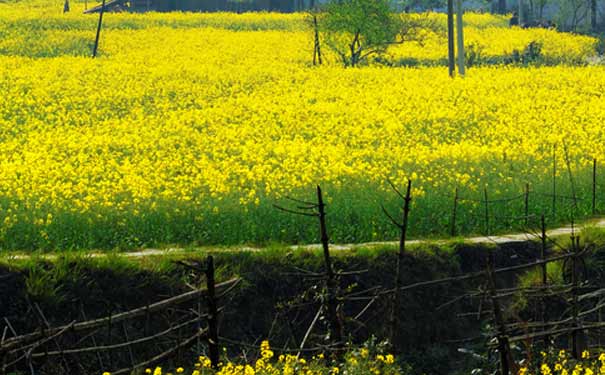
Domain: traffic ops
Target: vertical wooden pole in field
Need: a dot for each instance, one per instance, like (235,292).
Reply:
(594,186)
(399,272)
(460,37)
(96,47)
(450,37)
(575,334)
(486,203)
(336,329)
(454,212)
(212,314)
(526,204)
(501,335)
(554,181)
(317,47)
(544,273)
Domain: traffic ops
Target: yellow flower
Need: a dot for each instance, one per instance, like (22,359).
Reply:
(585,354)
(180,370)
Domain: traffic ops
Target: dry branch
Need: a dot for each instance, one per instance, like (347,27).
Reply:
(82,326)
(161,356)
(115,346)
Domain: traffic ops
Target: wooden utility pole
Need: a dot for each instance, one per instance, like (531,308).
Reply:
(460,37)
(96,47)
(520,14)
(450,38)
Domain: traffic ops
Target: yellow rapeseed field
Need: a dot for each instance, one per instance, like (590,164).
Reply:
(189,126)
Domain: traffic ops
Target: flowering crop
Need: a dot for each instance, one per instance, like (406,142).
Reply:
(355,362)
(189,126)
(563,364)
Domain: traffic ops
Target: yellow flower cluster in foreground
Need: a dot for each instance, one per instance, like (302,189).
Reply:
(359,362)
(563,364)
(188,110)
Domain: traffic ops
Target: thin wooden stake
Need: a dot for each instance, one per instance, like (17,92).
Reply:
(502,336)
(317,47)
(109,327)
(544,274)
(577,335)
(94,51)
(554,181)
(212,314)
(594,186)
(94,341)
(399,272)
(130,354)
(336,329)
(526,202)
(570,174)
(486,203)
(453,224)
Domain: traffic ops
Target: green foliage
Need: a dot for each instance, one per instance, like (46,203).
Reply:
(356,29)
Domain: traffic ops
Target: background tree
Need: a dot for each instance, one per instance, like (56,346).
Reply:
(356,29)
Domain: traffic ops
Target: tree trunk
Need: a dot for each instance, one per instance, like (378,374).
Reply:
(593,15)
(460,37)
(450,37)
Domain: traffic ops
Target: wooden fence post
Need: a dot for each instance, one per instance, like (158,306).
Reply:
(486,202)
(577,337)
(526,202)
(453,224)
(317,47)
(336,329)
(502,337)
(594,186)
(109,329)
(554,181)
(212,314)
(543,312)
(399,272)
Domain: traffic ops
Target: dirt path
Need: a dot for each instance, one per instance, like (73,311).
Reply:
(500,239)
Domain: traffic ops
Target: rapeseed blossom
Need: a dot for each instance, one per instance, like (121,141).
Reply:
(228,116)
